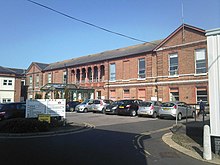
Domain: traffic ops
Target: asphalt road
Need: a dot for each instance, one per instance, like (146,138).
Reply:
(114,140)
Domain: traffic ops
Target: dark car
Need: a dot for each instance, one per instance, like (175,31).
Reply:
(70,106)
(12,110)
(128,107)
(112,108)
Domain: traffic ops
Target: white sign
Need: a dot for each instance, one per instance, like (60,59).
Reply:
(55,107)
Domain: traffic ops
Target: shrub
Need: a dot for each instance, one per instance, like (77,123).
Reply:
(23,125)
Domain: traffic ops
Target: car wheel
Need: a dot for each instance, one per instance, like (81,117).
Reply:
(133,113)
(179,116)
(71,109)
(103,110)
(154,115)
(85,110)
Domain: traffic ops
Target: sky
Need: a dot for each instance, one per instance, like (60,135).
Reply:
(30,33)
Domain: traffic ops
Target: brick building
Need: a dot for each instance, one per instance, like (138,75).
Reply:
(174,68)
(12,85)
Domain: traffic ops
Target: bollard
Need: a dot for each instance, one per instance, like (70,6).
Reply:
(207,153)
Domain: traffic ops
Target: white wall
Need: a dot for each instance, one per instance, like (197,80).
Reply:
(213,43)
(7,91)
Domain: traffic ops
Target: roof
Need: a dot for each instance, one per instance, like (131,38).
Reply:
(42,66)
(107,55)
(15,71)
(18,71)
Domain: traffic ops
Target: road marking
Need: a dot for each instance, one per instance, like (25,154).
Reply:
(137,144)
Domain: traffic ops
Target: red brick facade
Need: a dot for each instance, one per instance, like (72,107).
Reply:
(157,84)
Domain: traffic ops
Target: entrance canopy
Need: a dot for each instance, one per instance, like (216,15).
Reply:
(75,92)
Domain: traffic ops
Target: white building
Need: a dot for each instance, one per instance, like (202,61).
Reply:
(12,82)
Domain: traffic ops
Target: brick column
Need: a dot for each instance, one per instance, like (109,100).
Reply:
(99,72)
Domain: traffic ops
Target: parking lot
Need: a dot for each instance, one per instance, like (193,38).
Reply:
(98,119)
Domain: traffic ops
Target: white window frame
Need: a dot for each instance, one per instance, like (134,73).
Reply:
(112,72)
(64,77)
(49,78)
(37,80)
(31,81)
(7,82)
(6,100)
(139,75)
(201,50)
(173,55)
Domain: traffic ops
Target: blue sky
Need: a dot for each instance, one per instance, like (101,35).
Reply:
(29,33)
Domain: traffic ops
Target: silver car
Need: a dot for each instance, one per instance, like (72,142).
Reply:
(83,107)
(176,109)
(149,108)
(99,105)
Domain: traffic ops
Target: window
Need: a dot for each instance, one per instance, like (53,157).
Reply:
(112,72)
(37,80)
(49,78)
(173,64)
(174,94)
(30,81)
(200,61)
(202,94)
(7,82)
(126,93)
(141,68)
(6,100)
(64,77)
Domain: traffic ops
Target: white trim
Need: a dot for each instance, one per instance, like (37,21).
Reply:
(158,83)
(170,47)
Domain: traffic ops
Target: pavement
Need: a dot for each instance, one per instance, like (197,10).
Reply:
(190,136)
(167,138)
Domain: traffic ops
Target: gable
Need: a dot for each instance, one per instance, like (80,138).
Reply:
(33,68)
(183,35)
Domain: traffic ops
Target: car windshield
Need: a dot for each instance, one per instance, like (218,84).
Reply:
(107,101)
(85,101)
(168,104)
(145,104)
(115,103)
(125,102)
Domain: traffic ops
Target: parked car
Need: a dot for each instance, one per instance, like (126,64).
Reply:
(83,107)
(12,110)
(176,109)
(99,105)
(112,108)
(71,105)
(149,108)
(128,107)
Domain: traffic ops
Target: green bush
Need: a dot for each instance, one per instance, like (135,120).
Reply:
(23,125)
